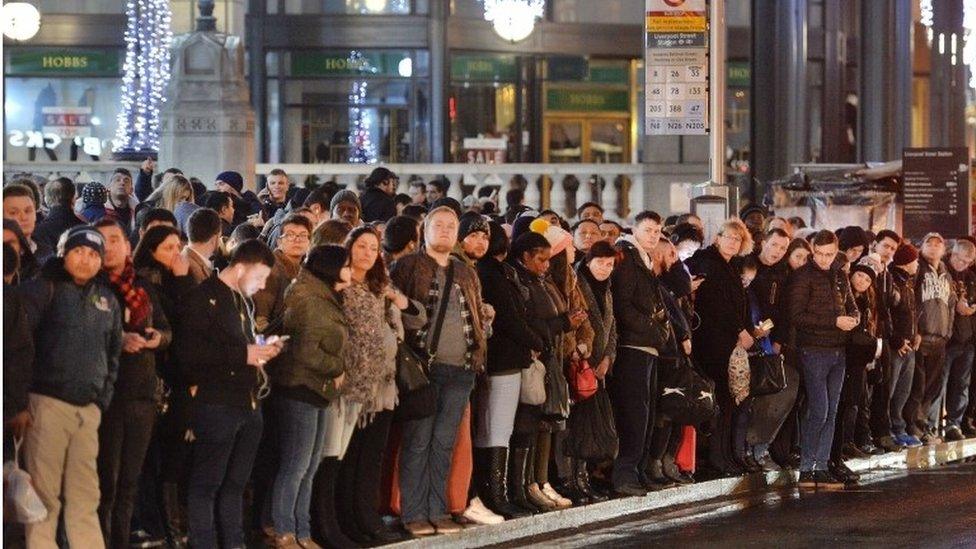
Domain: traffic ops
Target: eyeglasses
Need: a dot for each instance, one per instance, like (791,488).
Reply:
(301,237)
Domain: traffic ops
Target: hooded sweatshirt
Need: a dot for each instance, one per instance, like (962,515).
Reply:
(936,300)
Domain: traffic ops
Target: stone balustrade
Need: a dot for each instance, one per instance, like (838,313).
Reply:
(560,187)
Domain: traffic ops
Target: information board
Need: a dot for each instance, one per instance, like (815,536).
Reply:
(676,68)
(936,191)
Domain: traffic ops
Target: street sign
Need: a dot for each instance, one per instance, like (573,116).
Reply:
(676,68)
(936,191)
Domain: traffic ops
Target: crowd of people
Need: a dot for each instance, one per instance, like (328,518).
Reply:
(323,367)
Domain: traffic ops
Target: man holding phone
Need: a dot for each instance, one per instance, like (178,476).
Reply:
(823,312)
(218,351)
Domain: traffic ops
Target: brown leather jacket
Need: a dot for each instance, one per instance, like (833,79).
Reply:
(413,274)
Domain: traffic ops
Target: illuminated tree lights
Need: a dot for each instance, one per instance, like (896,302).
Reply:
(146,74)
(361,147)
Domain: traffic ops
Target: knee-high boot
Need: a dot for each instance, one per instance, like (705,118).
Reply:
(493,490)
(518,467)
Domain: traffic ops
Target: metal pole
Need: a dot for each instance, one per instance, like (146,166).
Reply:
(716,91)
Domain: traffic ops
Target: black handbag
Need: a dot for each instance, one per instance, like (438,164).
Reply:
(418,396)
(593,434)
(767,374)
(685,396)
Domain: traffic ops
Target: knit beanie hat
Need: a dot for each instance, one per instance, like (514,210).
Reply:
(558,238)
(81,235)
(851,237)
(345,195)
(528,241)
(905,254)
(866,269)
(472,222)
(521,225)
(233,179)
(398,233)
(94,194)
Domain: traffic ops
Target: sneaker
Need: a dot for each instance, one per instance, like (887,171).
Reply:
(144,540)
(907,441)
(446,526)
(826,481)
(931,438)
(807,480)
(479,514)
(889,444)
(954,434)
(551,493)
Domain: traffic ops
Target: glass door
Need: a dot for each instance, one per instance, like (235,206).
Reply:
(586,140)
(563,141)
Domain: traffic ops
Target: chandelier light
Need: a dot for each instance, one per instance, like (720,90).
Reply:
(514,20)
(20,20)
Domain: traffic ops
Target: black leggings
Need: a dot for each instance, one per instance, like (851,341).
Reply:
(358,490)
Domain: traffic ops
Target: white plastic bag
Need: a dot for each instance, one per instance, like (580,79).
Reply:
(533,390)
(20,498)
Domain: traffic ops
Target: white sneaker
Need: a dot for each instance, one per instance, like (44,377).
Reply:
(479,514)
(551,493)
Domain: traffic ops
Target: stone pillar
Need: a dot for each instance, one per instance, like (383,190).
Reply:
(886,80)
(947,115)
(207,123)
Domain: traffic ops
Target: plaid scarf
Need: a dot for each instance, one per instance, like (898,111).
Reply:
(433,300)
(138,308)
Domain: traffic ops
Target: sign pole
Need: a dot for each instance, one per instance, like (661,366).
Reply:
(716,91)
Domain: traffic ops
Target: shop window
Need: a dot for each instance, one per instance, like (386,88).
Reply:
(60,104)
(343,106)
(78,6)
(620,12)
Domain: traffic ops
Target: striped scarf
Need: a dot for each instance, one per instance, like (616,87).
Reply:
(137,308)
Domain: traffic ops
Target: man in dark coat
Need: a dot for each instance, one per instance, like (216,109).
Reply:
(60,196)
(377,199)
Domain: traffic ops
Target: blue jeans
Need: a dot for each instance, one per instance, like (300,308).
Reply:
(227,439)
(958,373)
(902,374)
(823,379)
(301,435)
(428,443)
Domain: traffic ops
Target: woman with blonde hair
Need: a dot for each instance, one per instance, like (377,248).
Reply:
(176,195)
(721,304)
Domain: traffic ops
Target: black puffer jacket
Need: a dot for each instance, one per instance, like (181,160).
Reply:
(904,321)
(770,289)
(817,298)
(721,306)
(512,340)
(642,320)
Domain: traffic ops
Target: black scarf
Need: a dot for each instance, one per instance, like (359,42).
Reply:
(599,289)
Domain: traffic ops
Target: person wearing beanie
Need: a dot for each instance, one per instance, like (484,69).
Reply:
(905,340)
(400,237)
(377,200)
(346,206)
(853,241)
(473,233)
(77,335)
(246,203)
(558,238)
(862,349)
(500,473)
(93,196)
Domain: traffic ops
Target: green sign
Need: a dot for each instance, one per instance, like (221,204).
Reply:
(740,74)
(492,68)
(567,69)
(50,61)
(571,100)
(347,63)
(610,73)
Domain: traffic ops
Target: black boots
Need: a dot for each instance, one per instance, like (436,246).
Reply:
(581,478)
(324,517)
(493,491)
(518,466)
(175,515)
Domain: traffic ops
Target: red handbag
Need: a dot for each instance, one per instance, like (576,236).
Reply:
(685,457)
(583,380)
